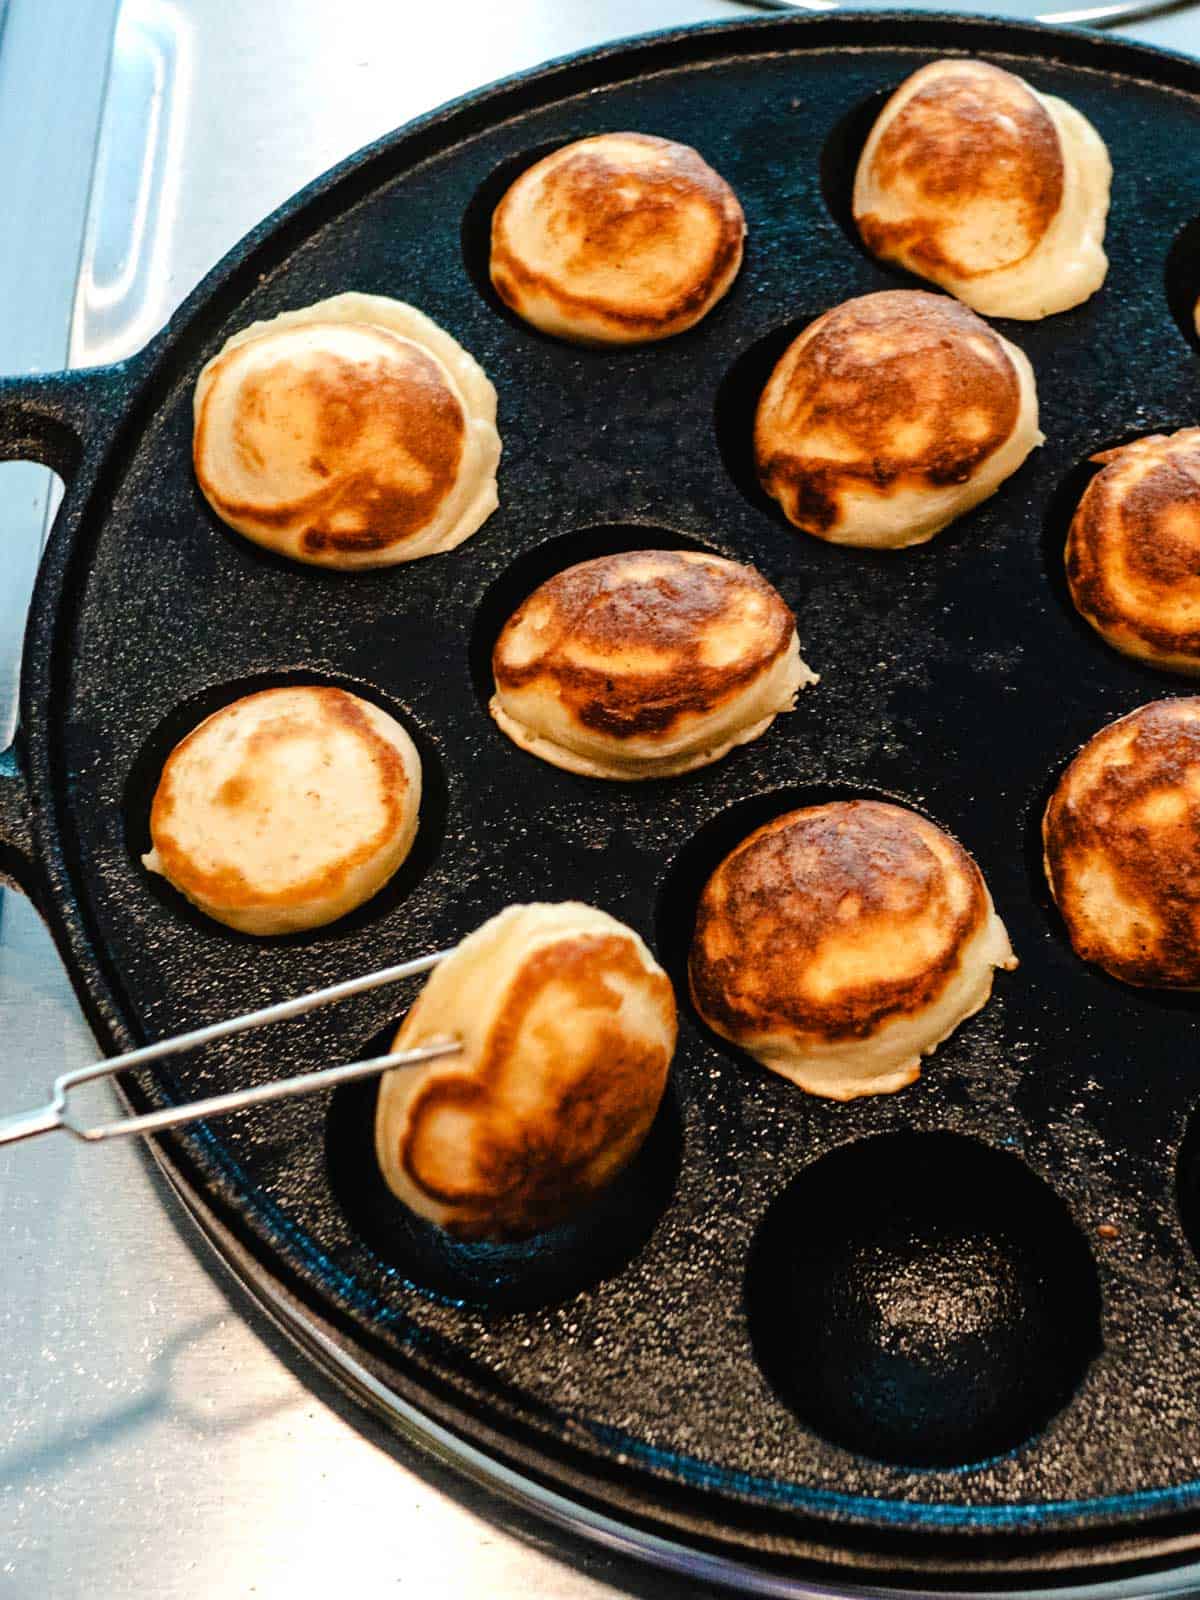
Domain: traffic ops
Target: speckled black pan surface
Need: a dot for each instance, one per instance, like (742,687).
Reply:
(953,1331)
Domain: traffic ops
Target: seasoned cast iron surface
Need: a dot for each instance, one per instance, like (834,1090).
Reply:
(955,678)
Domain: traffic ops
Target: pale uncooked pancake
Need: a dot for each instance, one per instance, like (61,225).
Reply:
(1133,550)
(891,415)
(351,433)
(841,943)
(286,809)
(567,1026)
(616,239)
(646,664)
(973,179)
(1122,846)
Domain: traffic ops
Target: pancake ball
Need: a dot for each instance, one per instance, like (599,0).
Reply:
(618,239)
(841,943)
(1122,847)
(1133,550)
(353,433)
(286,809)
(890,416)
(568,1027)
(973,179)
(646,664)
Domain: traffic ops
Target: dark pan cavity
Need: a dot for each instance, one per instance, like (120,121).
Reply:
(1183,281)
(923,1299)
(476,237)
(147,768)
(839,163)
(736,405)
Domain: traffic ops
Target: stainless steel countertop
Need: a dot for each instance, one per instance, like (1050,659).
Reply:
(156,1436)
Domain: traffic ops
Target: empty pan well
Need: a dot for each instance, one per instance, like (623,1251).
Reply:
(922,1299)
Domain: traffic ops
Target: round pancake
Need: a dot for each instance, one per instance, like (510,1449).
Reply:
(352,433)
(1133,550)
(973,179)
(286,809)
(646,664)
(891,415)
(842,942)
(568,1027)
(1122,847)
(617,239)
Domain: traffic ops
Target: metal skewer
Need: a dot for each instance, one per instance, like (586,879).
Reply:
(55,1114)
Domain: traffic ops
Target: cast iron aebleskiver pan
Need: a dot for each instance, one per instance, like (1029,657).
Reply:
(887,1336)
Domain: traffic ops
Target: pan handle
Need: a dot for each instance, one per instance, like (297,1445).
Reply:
(16,827)
(53,417)
(60,419)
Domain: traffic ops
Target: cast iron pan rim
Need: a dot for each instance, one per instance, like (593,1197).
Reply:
(123,392)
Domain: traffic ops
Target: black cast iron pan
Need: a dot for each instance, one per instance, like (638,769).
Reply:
(950,1335)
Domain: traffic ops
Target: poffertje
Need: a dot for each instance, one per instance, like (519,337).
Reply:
(567,1025)
(352,433)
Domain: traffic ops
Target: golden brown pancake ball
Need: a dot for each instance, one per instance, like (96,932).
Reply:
(646,664)
(1133,550)
(973,179)
(567,1026)
(286,809)
(841,943)
(617,239)
(890,416)
(352,433)
(1122,847)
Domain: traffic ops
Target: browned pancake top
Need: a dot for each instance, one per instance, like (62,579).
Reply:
(1133,552)
(530,1166)
(642,246)
(892,391)
(832,920)
(971,133)
(632,642)
(224,885)
(1125,820)
(353,454)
